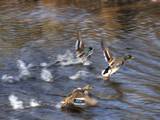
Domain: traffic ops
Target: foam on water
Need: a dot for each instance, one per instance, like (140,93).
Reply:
(46,75)
(69,59)
(23,69)
(79,74)
(15,102)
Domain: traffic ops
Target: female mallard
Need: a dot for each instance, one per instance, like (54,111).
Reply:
(82,52)
(79,98)
(114,63)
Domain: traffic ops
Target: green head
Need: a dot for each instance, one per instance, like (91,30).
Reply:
(88,51)
(128,57)
(90,48)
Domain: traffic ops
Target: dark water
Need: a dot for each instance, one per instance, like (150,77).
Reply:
(37,31)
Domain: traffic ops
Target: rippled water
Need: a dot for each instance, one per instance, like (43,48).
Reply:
(37,31)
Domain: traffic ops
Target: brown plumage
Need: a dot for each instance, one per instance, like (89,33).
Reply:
(79,98)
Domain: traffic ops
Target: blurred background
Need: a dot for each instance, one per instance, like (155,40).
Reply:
(37,31)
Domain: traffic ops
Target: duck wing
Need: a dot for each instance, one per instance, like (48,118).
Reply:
(79,46)
(106,52)
(116,62)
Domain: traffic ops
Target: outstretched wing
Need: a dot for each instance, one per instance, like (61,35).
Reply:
(79,46)
(107,54)
(116,63)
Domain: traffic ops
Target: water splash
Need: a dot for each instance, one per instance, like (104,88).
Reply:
(34,103)
(43,64)
(79,74)
(87,63)
(58,105)
(23,69)
(69,59)
(18,104)
(15,103)
(23,72)
(46,75)
(9,78)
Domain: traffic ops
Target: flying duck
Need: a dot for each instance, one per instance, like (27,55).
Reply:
(82,52)
(114,63)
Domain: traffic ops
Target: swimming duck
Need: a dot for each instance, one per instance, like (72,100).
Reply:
(114,63)
(79,98)
(82,52)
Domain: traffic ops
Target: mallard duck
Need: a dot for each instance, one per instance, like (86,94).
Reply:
(82,52)
(114,63)
(79,98)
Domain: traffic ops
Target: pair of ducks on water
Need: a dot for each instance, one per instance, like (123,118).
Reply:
(80,97)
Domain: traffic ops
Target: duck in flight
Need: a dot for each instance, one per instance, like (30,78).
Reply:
(82,52)
(114,63)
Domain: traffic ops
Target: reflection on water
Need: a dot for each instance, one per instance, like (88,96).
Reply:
(37,31)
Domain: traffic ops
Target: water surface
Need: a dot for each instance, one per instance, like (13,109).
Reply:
(39,30)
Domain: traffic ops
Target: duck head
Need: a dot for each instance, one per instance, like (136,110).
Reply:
(128,57)
(88,50)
